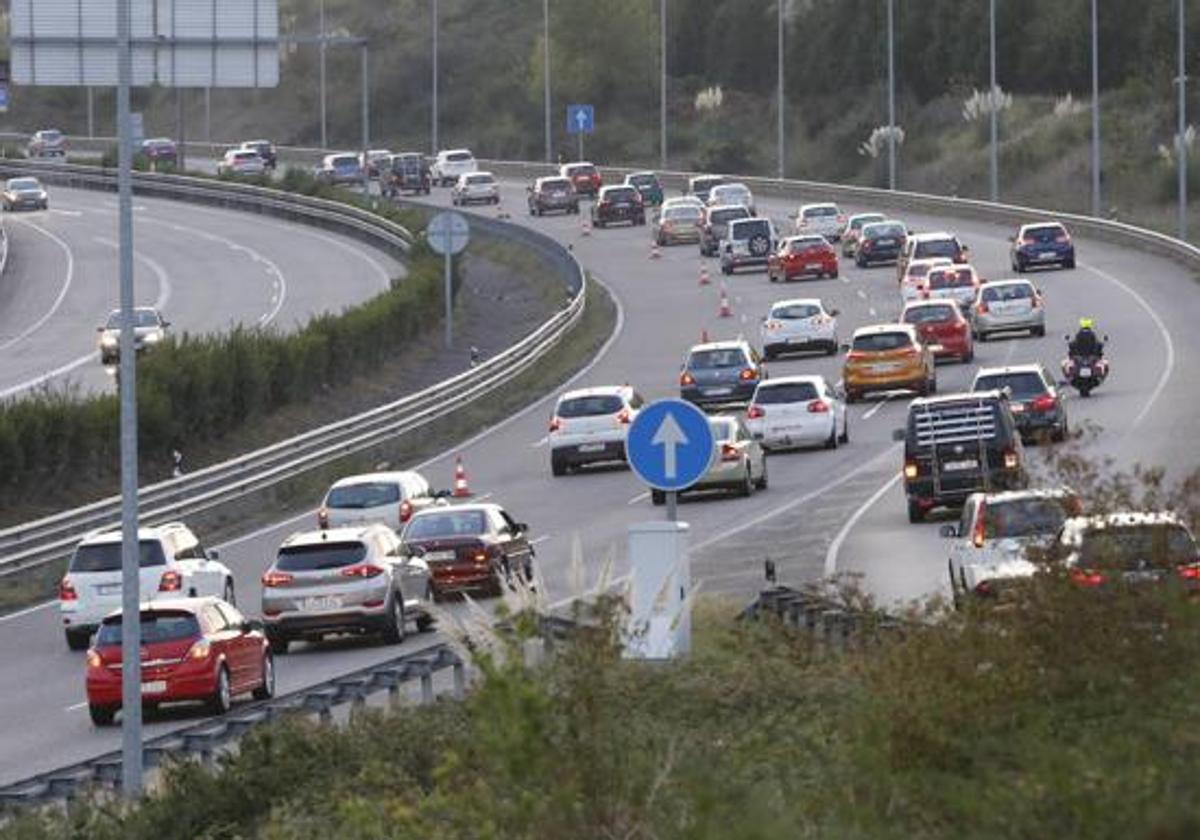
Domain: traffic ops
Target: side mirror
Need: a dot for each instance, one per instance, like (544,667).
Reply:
(833,313)
(1106,338)
(166,324)
(520,528)
(845,348)
(99,329)
(908,233)
(948,531)
(213,554)
(412,551)
(898,435)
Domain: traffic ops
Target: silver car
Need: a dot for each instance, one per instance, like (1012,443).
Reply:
(1007,306)
(799,325)
(149,329)
(345,580)
(739,463)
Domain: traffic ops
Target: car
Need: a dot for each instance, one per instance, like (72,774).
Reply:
(1041,244)
(241,162)
(880,242)
(340,168)
(618,204)
(1134,547)
(854,225)
(747,242)
(357,580)
(735,194)
(49,142)
(266,150)
(912,282)
(802,256)
(679,223)
(888,357)
(471,547)
(149,330)
(648,185)
(25,193)
(160,150)
(1033,397)
(738,465)
(584,176)
(475,188)
(193,649)
(552,193)
(590,425)
(956,445)
(921,246)
(390,497)
(172,563)
(450,164)
(375,161)
(1007,306)
(682,201)
(719,373)
(942,326)
(996,534)
(699,185)
(957,283)
(794,411)
(716,226)
(824,219)
(798,325)
(405,172)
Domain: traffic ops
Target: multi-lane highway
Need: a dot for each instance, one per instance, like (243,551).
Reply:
(205,269)
(825,511)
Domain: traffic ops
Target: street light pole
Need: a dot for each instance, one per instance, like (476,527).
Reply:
(434,127)
(1095,112)
(546,74)
(779,129)
(891,60)
(1182,162)
(662,85)
(366,118)
(994,170)
(321,52)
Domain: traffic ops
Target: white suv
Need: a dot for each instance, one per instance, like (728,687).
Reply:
(590,426)
(173,564)
(388,497)
(450,164)
(475,187)
(825,219)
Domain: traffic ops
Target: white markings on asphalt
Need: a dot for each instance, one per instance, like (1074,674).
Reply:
(846,279)
(71,213)
(873,410)
(831,554)
(861,294)
(538,444)
(62,292)
(76,707)
(27,611)
(541,539)
(164,279)
(871,312)
(640,497)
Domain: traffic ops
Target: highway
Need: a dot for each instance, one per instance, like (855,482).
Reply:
(205,269)
(825,511)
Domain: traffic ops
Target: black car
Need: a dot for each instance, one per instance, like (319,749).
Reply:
(553,193)
(266,151)
(716,225)
(406,172)
(618,204)
(880,242)
(959,444)
(699,185)
(1037,404)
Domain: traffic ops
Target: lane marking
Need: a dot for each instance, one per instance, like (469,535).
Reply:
(71,213)
(62,292)
(873,410)
(640,497)
(541,539)
(76,707)
(861,294)
(538,444)
(831,554)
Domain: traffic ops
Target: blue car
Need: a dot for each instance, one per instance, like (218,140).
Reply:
(340,168)
(1044,243)
(721,373)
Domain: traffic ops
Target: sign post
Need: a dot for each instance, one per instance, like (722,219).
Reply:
(448,234)
(581,120)
(670,446)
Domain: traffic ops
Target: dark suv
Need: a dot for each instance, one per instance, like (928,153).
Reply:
(552,193)
(716,225)
(959,444)
(406,172)
(618,204)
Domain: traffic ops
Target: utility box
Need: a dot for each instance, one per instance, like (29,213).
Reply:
(660,621)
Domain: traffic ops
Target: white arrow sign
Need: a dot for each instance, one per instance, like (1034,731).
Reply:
(580,119)
(670,437)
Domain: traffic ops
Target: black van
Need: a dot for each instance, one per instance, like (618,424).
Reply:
(406,172)
(959,444)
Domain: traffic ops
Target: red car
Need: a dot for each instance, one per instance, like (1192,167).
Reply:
(470,547)
(192,649)
(802,256)
(940,323)
(584,177)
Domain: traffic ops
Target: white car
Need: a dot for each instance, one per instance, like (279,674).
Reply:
(797,325)
(737,193)
(747,242)
(825,219)
(791,411)
(912,283)
(173,564)
(590,426)
(450,164)
(241,162)
(959,283)
(374,159)
(738,465)
(388,497)
(475,188)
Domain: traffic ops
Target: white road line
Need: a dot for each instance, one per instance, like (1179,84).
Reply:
(640,497)
(71,213)
(871,312)
(831,554)
(76,707)
(164,279)
(62,292)
(538,444)
(27,611)
(873,410)
(541,539)
(861,294)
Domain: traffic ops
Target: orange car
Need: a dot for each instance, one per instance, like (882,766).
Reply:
(888,357)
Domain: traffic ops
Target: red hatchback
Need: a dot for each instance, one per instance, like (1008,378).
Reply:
(941,324)
(584,177)
(802,256)
(192,649)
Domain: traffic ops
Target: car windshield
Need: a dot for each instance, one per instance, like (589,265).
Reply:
(1022,386)
(685,212)
(620,194)
(1024,517)
(928,314)
(935,248)
(480,179)
(322,555)
(459,157)
(456,523)
(878,342)
(729,192)
(1133,547)
(365,495)
(795,311)
(750,228)
(728,214)
(918,269)
(1009,291)
(24,184)
(882,231)
(720,358)
(557,184)
(589,406)
(819,212)
(345,161)
(106,557)
(50,134)
(157,626)
(785,392)
(947,278)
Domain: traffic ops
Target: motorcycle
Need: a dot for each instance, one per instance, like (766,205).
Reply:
(1085,373)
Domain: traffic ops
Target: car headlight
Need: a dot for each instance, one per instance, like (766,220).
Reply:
(152,337)
(109,341)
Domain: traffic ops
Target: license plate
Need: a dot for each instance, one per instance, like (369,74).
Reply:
(591,447)
(439,555)
(956,466)
(1085,372)
(559,195)
(885,367)
(322,602)
(885,241)
(816,266)
(1047,255)
(799,339)
(718,392)
(154,687)
(108,589)
(1017,408)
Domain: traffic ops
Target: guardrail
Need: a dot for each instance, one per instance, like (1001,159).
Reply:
(204,738)
(51,538)
(832,625)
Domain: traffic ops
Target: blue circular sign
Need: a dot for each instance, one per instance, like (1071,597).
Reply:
(670,445)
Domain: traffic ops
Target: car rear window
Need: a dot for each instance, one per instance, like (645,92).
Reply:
(1129,547)
(795,311)
(323,555)
(50,134)
(724,358)
(819,212)
(643,180)
(948,278)
(621,194)
(728,214)
(1014,291)
(722,429)
(683,212)
(798,245)
(249,154)
(556,184)
(1045,233)
(589,406)
(935,248)
(346,160)
(1024,518)
(882,231)
(459,157)
(165,626)
(928,314)
(1022,386)
(458,523)
(751,227)
(862,221)
(366,495)
(877,342)
(785,392)
(106,557)
(480,179)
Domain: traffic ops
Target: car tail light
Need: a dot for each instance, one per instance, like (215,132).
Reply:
(1044,403)
(374,603)
(480,555)
(977,535)
(730,452)
(686,378)
(556,424)
(867,244)
(773,325)
(406,510)
(841,219)
(984,589)
(1062,239)
(201,649)
(323,518)
(911,469)
(1028,240)
(623,416)
(748,375)
(1010,460)
(362,570)
(818,407)
(94,659)
(755,412)
(272,578)
(171,581)
(982,308)
(66,590)
(1190,572)
(1087,577)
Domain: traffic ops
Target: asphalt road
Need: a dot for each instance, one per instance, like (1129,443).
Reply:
(825,511)
(205,269)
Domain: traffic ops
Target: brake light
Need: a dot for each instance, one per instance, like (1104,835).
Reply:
(322,517)
(556,424)
(1087,577)
(686,378)
(773,325)
(1044,403)
(1010,460)
(730,452)
(479,556)
(1028,240)
(1190,572)
(1062,239)
(623,416)
(818,407)
(755,412)
(977,533)
(406,510)
(272,578)
(867,244)
(94,659)
(171,581)
(984,589)
(66,590)
(200,650)
(910,469)
(982,308)
(362,570)
(748,375)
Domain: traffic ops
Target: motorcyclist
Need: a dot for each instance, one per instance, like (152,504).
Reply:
(1086,344)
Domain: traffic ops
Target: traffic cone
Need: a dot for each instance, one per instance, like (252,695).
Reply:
(655,253)
(704,281)
(725,311)
(461,488)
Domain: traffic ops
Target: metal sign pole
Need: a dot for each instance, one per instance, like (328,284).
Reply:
(322,51)
(434,126)
(993,156)
(366,121)
(662,84)
(672,506)
(1182,151)
(449,285)
(1095,112)
(780,128)
(546,74)
(891,61)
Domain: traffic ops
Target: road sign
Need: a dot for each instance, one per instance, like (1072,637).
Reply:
(670,444)
(3,97)
(448,233)
(581,119)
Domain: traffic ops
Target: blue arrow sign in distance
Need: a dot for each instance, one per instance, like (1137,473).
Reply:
(670,445)
(581,119)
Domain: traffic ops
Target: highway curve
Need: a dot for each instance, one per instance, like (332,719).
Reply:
(1147,304)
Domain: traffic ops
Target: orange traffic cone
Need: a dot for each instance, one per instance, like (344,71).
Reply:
(461,488)
(725,311)
(704,281)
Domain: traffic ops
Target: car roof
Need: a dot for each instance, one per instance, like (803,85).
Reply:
(697,178)
(932,303)
(854,216)
(1032,493)
(729,344)
(749,220)
(385,476)
(801,237)
(107,536)
(931,236)
(1030,367)
(616,187)
(642,172)
(1010,281)
(881,329)
(551,178)
(805,378)
(465,508)
(578,163)
(347,533)
(478,173)
(818,204)
(191,605)
(597,391)
(798,302)
(1047,223)
(455,152)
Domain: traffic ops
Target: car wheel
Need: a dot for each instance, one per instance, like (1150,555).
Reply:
(981,337)
(769,354)
(102,715)
(221,699)
(955,595)
(831,442)
(227,594)
(1069,263)
(747,485)
(1019,266)
(851,397)
(77,639)
(763,479)
(1040,332)
(968,357)
(727,269)
(558,465)
(932,389)
(845,436)
(915,513)
(833,275)
(395,631)
(658,497)
(279,643)
(425,622)
(266,689)
(861,263)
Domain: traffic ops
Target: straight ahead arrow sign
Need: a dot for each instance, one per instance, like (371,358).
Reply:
(670,437)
